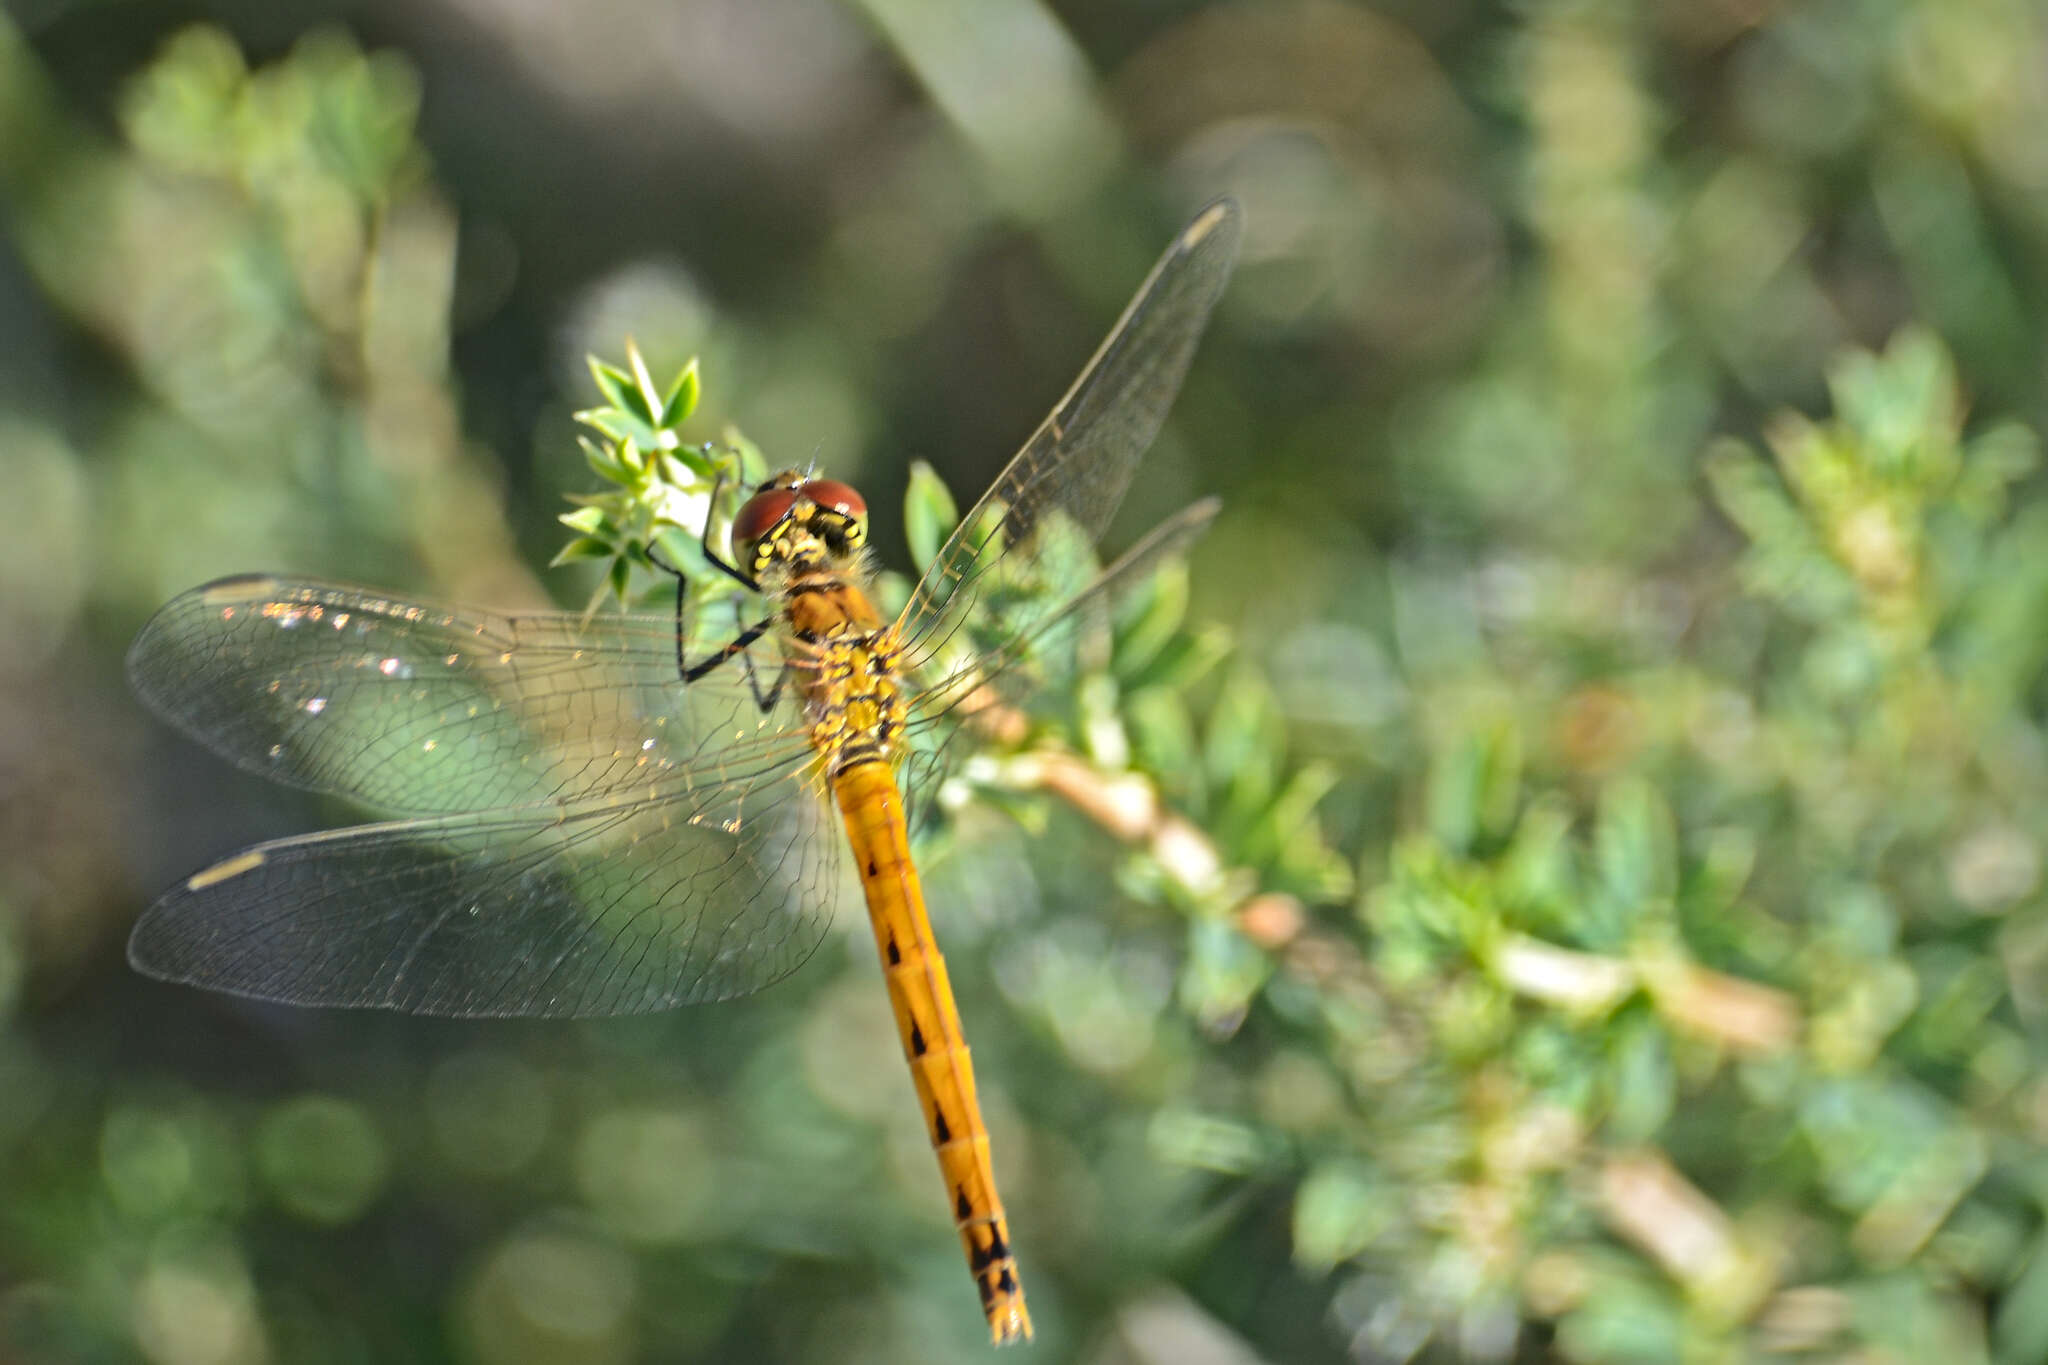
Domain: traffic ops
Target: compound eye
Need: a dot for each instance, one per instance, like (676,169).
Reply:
(758,516)
(835,496)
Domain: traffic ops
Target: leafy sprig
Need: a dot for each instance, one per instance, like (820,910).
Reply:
(1201,795)
(652,520)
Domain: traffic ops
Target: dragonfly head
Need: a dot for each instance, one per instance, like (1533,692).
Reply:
(798,524)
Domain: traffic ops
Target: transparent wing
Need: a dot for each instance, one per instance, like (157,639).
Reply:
(595,838)
(639,900)
(989,696)
(1040,520)
(421,709)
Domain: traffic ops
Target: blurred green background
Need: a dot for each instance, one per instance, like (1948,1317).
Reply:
(1629,628)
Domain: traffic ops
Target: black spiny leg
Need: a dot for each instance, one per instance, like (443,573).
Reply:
(712,556)
(748,634)
(737,645)
(690,672)
(682,591)
(685,670)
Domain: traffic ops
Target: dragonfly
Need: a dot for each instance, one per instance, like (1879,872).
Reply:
(585,821)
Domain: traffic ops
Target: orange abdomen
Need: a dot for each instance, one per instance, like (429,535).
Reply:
(928,1022)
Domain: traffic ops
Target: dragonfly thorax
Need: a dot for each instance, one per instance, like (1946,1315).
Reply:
(795,525)
(855,697)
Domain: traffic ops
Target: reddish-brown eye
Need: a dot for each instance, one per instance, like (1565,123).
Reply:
(757,517)
(837,497)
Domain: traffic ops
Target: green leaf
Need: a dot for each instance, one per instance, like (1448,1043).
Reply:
(1787,561)
(614,383)
(1162,737)
(678,546)
(1475,785)
(1725,863)
(695,464)
(1148,620)
(1209,1142)
(1644,1081)
(1243,746)
(1540,870)
(601,459)
(681,399)
(1622,1321)
(1289,813)
(929,514)
(647,400)
(622,425)
(2020,1328)
(1223,970)
(579,549)
(1635,848)
(589,520)
(1904,408)
(1748,493)
(748,461)
(1339,1211)
(1993,462)
(1185,660)
(182,110)
(1307,867)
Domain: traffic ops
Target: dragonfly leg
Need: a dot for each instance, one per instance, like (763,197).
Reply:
(690,672)
(712,556)
(765,700)
(682,591)
(737,645)
(685,670)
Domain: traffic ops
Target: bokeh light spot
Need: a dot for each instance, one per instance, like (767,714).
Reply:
(489,1111)
(146,1159)
(194,1306)
(645,1172)
(321,1157)
(552,1298)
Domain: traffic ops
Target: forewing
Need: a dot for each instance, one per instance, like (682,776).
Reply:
(639,900)
(1042,516)
(989,696)
(424,709)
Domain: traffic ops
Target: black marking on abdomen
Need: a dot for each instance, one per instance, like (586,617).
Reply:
(961,1206)
(941,1133)
(996,1250)
(855,752)
(916,1040)
(895,958)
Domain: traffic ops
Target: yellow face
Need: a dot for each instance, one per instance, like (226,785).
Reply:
(795,524)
